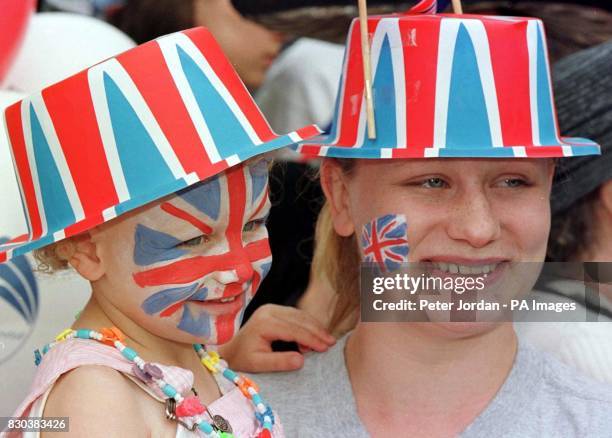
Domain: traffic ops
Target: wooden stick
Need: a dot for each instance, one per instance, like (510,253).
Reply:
(367,67)
(457,9)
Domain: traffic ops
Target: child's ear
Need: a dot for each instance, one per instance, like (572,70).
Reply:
(84,258)
(333,182)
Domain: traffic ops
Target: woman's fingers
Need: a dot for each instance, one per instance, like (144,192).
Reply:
(299,318)
(294,331)
(262,362)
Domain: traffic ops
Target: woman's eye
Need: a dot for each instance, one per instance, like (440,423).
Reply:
(195,241)
(434,183)
(513,182)
(253,225)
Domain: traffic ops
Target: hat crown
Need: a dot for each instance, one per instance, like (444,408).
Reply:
(448,85)
(129,130)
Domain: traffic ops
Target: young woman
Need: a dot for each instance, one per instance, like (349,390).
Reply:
(462,167)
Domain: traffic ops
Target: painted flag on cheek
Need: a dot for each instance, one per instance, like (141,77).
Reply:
(384,241)
(197,274)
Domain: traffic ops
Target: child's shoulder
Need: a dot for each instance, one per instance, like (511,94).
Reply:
(95,398)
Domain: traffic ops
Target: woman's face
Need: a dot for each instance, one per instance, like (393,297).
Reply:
(250,47)
(186,267)
(462,215)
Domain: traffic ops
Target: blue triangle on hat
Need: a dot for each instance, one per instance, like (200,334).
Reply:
(384,99)
(142,164)
(224,127)
(58,211)
(468,122)
(546,121)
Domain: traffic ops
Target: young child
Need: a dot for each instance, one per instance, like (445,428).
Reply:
(144,174)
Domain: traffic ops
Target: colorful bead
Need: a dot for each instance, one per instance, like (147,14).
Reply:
(110,335)
(153,371)
(205,427)
(145,377)
(244,384)
(169,390)
(63,335)
(189,407)
(264,434)
(83,333)
(128,353)
(37,357)
(210,361)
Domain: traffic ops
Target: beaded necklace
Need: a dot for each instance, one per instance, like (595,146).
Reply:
(178,406)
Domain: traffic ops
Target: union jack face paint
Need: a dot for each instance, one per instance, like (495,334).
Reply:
(203,275)
(384,241)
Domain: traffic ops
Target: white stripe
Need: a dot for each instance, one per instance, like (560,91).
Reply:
(191,178)
(519,151)
(27,134)
(433,152)
(567,151)
(168,45)
(323,151)
(294,137)
(478,35)
(109,213)
(386,153)
(95,77)
(40,108)
(25,283)
(20,301)
(232,160)
(59,235)
(532,47)
(446,50)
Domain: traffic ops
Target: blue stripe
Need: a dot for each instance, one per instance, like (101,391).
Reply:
(197,326)
(205,196)
(384,100)
(58,211)
(163,299)
(143,166)
(152,246)
(467,123)
(259,178)
(226,130)
(43,241)
(546,119)
(477,153)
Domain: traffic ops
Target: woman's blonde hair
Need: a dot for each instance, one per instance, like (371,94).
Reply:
(336,258)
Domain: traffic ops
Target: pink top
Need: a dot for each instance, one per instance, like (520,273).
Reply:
(70,354)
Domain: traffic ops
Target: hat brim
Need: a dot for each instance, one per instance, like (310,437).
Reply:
(22,245)
(569,147)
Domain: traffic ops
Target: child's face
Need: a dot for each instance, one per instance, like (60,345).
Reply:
(188,265)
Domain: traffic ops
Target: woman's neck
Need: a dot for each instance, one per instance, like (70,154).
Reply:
(100,313)
(422,384)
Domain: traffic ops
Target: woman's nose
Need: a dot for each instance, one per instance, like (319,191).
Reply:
(474,220)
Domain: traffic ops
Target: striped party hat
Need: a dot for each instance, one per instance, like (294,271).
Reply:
(448,86)
(128,131)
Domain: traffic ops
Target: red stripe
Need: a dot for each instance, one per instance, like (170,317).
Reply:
(163,98)
(261,205)
(353,89)
(182,214)
(510,60)
(420,49)
(15,134)
(222,67)
(71,101)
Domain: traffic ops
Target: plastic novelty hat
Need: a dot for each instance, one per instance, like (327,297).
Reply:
(448,86)
(128,131)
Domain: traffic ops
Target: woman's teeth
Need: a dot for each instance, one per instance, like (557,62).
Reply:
(453,268)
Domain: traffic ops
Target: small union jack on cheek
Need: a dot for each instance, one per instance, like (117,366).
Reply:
(204,278)
(384,241)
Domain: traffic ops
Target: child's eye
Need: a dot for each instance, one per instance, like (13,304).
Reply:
(195,241)
(254,224)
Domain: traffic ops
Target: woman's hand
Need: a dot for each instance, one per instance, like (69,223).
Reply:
(251,349)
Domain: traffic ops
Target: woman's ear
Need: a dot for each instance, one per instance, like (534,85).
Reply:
(84,258)
(605,196)
(333,182)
